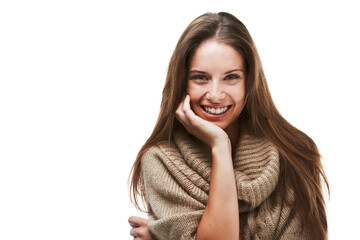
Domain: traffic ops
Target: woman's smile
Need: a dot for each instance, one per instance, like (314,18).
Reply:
(216,110)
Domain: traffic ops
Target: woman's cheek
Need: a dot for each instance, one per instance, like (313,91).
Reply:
(194,107)
(195,93)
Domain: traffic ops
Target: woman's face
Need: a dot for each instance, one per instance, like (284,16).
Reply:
(216,83)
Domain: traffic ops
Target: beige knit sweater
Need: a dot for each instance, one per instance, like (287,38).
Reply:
(177,179)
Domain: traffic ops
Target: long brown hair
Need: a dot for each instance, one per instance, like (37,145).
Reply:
(301,167)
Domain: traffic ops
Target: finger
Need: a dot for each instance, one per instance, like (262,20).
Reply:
(186,102)
(186,109)
(134,225)
(180,115)
(187,106)
(180,107)
(140,221)
(133,233)
(184,121)
(140,232)
(135,221)
(187,116)
(189,113)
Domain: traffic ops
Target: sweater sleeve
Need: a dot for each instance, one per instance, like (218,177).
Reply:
(292,232)
(173,213)
(290,226)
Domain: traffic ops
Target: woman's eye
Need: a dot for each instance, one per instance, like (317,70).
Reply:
(199,77)
(232,76)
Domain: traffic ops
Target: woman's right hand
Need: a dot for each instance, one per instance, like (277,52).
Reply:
(206,131)
(139,228)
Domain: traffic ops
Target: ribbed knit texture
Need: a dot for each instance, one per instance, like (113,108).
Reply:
(177,180)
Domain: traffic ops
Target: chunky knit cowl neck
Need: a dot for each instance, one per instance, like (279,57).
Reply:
(256,167)
(177,177)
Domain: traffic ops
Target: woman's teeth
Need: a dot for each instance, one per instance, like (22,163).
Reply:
(216,111)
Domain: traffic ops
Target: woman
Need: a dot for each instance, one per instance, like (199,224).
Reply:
(221,162)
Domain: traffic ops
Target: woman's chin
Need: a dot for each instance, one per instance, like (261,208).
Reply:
(221,125)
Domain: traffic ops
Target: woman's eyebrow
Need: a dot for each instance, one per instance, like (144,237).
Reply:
(197,71)
(202,72)
(238,69)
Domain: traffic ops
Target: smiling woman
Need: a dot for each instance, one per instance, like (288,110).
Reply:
(222,163)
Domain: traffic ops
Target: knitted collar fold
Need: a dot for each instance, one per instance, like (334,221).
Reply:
(256,167)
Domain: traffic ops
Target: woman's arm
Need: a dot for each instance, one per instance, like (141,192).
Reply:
(221,216)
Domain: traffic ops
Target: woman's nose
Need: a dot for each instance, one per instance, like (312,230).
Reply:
(215,93)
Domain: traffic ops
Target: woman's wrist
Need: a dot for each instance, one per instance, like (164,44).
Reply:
(221,146)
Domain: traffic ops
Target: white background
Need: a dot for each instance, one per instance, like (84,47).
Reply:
(80,89)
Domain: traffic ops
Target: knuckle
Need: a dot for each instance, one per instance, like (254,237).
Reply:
(178,111)
(194,124)
(144,222)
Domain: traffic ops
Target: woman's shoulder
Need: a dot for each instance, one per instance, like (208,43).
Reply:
(160,149)
(159,153)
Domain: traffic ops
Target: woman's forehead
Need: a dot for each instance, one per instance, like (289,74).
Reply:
(213,56)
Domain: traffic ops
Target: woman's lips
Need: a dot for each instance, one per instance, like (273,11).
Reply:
(215,112)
